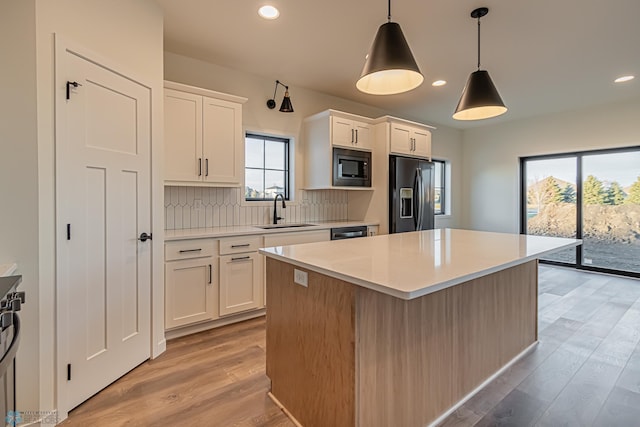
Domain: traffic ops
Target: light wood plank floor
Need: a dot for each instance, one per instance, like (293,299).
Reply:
(584,372)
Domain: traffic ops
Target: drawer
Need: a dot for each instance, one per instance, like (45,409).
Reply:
(237,245)
(193,248)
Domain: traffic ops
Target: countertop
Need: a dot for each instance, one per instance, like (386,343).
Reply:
(410,265)
(243,230)
(7,283)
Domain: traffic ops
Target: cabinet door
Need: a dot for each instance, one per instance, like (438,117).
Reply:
(342,132)
(363,135)
(223,144)
(401,139)
(422,143)
(240,283)
(190,291)
(182,135)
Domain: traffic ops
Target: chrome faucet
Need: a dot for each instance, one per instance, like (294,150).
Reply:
(275,207)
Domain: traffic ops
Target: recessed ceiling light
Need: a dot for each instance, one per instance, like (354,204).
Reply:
(624,79)
(439,83)
(268,12)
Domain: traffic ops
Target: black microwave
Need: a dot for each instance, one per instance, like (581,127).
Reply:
(351,168)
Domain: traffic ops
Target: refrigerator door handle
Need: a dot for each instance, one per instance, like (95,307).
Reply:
(416,200)
(420,199)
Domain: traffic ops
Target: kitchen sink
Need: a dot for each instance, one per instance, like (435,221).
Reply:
(277,226)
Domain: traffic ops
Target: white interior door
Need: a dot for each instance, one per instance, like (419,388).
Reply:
(103,164)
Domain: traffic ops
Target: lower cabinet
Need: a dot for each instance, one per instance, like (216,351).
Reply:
(191,283)
(241,275)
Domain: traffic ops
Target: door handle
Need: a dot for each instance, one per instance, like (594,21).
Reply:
(144,237)
(207,167)
(210,274)
(356,136)
(416,200)
(352,136)
(421,199)
(199,166)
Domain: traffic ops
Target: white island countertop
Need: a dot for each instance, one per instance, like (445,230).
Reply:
(410,265)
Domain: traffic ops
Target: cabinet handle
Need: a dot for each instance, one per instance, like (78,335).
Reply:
(182,251)
(207,166)
(356,136)
(210,274)
(352,136)
(240,258)
(199,166)
(241,246)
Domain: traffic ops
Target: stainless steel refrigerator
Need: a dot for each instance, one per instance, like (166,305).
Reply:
(410,194)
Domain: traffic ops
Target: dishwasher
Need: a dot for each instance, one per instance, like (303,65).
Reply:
(341,233)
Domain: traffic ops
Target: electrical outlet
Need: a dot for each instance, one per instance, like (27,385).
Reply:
(301,277)
(197,204)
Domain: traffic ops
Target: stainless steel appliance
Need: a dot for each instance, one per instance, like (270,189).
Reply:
(348,232)
(351,168)
(410,194)
(9,340)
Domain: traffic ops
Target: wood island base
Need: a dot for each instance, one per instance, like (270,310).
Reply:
(339,354)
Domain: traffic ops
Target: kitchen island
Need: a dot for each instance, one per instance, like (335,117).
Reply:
(396,330)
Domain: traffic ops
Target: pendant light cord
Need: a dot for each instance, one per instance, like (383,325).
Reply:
(478,43)
(389,14)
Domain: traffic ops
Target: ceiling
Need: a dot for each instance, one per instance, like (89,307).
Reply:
(544,56)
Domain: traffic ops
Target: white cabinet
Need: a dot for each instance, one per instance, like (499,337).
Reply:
(372,230)
(191,282)
(326,130)
(410,140)
(241,275)
(351,133)
(204,144)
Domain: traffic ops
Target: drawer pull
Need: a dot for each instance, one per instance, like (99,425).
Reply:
(241,246)
(240,258)
(210,274)
(183,251)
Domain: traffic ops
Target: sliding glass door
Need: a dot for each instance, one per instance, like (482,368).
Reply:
(594,196)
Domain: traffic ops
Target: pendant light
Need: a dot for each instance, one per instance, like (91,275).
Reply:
(480,98)
(389,67)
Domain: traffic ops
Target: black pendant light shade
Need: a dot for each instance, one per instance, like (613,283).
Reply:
(390,67)
(286,106)
(480,98)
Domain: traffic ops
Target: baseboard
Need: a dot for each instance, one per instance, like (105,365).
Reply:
(283,409)
(205,326)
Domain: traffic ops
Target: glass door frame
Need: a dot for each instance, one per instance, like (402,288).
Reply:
(578,155)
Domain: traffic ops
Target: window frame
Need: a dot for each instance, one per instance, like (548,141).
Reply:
(287,164)
(444,211)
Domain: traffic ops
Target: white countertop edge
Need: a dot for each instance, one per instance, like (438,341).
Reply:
(8,269)
(244,230)
(429,289)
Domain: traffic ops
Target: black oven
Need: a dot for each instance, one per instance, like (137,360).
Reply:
(351,168)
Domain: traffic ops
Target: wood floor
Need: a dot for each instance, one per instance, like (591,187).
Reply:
(585,371)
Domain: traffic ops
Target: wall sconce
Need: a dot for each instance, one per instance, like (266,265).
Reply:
(286,106)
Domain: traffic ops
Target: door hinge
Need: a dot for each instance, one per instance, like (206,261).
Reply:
(68,231)
(68,371)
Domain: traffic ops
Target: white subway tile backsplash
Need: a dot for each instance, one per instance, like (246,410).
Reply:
(219,207)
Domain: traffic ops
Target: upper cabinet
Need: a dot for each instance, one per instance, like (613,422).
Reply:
(409,138)
(334,129)
(203,137)
(349,133)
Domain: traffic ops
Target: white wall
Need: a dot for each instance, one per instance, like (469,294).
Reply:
(447,142)
(491,155)
(19,178)
(447,145)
